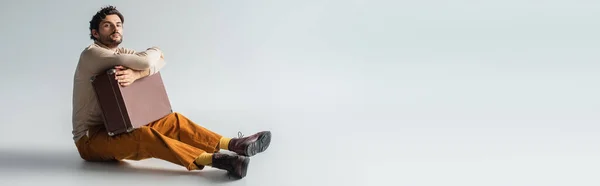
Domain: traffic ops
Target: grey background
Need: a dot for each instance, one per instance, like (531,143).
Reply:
(355,92)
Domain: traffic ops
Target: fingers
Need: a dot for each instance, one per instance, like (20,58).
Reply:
(124,72)
(125,81)
(125,84)
(124,76)
(120,76)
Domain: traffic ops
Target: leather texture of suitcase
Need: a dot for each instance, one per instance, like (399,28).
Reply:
(126,108)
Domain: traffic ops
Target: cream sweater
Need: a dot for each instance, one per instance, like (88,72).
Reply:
(96,59)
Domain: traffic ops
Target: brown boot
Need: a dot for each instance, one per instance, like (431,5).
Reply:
(234,164)
(251,145)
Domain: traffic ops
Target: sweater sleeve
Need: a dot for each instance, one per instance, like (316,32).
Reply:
(100,59)
(155,66)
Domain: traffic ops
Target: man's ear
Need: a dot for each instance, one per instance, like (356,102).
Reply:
(95,33)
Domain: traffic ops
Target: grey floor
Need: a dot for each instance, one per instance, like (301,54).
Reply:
(355,92)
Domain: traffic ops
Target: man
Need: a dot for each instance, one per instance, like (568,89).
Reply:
(173,138)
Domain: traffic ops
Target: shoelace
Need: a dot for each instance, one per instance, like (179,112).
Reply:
(240,135)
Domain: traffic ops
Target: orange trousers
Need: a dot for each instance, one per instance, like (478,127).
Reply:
(173,138)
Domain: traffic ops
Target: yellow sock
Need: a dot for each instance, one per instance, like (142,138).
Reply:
(204,159)
(224,143)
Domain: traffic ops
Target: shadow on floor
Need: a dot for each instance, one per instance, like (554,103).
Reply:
(15,160)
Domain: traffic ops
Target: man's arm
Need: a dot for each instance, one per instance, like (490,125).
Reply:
(143,73)
(154,67)
(126,76)
(101,59)
(159,64)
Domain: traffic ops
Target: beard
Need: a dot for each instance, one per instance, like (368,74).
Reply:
(113,40)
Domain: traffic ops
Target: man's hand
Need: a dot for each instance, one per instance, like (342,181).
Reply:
(126,76)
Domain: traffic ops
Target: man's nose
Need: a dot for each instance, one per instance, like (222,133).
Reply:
(113,27)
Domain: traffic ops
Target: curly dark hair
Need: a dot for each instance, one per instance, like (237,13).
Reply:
(100,15)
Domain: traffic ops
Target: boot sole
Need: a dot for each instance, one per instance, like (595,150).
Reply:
(260,145)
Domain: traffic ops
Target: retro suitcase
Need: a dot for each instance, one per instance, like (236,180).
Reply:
(126,108)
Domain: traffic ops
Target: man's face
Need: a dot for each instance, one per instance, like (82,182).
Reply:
(110,31)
